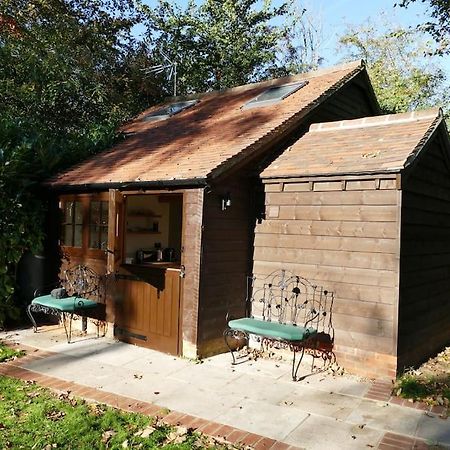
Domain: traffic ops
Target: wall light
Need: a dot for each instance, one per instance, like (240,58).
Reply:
(226,201)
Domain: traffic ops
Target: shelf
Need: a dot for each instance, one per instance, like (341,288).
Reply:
(156,216)
(143,232)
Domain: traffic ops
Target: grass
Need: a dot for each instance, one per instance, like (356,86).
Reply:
(32,417)
(430,383)
(7,353)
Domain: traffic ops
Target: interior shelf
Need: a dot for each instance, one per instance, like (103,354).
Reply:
(143,232)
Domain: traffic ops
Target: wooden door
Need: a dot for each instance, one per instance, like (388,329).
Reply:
(115,231)
(147,309)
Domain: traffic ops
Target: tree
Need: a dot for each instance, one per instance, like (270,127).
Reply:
(440,27)
(403,79)
(224,43)
(69,75)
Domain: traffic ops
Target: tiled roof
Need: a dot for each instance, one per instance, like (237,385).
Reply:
(207,138)
(369,145)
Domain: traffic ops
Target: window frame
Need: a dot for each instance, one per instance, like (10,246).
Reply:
(85,200)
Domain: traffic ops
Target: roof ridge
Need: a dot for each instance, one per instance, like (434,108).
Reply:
(352,65)
(374,121)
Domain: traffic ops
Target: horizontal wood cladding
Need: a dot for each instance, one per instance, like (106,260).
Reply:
(347,241)
(358,198)
(385,213)
(424,309)
(329,228)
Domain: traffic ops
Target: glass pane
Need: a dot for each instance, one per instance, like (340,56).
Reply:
(276,93)
(104,238)
(78,237)
(67,235)
(93,236)
(68,212)
(95,213)
(78,213)
(104,206)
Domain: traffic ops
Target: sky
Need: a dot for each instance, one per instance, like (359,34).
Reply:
(335,15)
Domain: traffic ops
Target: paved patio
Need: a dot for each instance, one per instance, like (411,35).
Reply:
(320,412)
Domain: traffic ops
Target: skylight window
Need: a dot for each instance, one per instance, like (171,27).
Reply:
(274,94)
(168,111)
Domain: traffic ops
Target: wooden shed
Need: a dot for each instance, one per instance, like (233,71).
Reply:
(363,208)
(170,210)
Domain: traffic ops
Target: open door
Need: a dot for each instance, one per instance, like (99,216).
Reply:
(115,231)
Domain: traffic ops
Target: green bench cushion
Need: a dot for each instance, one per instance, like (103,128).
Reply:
(272,329)
(68,304)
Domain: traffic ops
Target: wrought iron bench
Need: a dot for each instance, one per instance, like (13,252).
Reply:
(81,288)
(286,311)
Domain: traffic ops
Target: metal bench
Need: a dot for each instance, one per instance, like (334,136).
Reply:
(81,288)
(286,311)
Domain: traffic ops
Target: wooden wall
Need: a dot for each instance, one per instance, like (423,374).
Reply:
(227,246)
(343,235)
(424,311)
(226,260)
(191,260)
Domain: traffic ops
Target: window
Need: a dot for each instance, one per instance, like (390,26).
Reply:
(274,94)
(168,111)
(84,228)
(98,224)
(72,234)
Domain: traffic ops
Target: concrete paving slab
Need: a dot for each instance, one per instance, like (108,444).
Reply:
(161,364)
(147,388)
(324,433)
(347,385)
(275,422)
(247,386)
(386,416)
(434,429)
(197,401)
(322,403)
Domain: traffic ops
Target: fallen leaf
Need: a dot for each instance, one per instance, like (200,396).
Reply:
(107,435)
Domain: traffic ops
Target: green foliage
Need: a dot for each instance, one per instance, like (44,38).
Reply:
(439,27)
(403,78)
(32,417)
(69,75)
(220,44)
(7,353)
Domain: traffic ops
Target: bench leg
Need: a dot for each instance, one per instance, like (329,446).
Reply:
(29,309)
(235,335)
(296,364)
(68,331)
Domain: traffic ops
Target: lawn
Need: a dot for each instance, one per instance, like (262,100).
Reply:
(33,417)
(7,353)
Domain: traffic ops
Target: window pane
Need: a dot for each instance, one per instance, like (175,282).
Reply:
(104,206)
(68,212)
(95,213)
(78,213)
(78,237)
(104,238)
(67,235)
(94,231)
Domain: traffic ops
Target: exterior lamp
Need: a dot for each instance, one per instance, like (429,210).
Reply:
(226,201)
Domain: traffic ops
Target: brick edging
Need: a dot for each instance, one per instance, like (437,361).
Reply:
(381,390)
(14,369)
(393,441)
